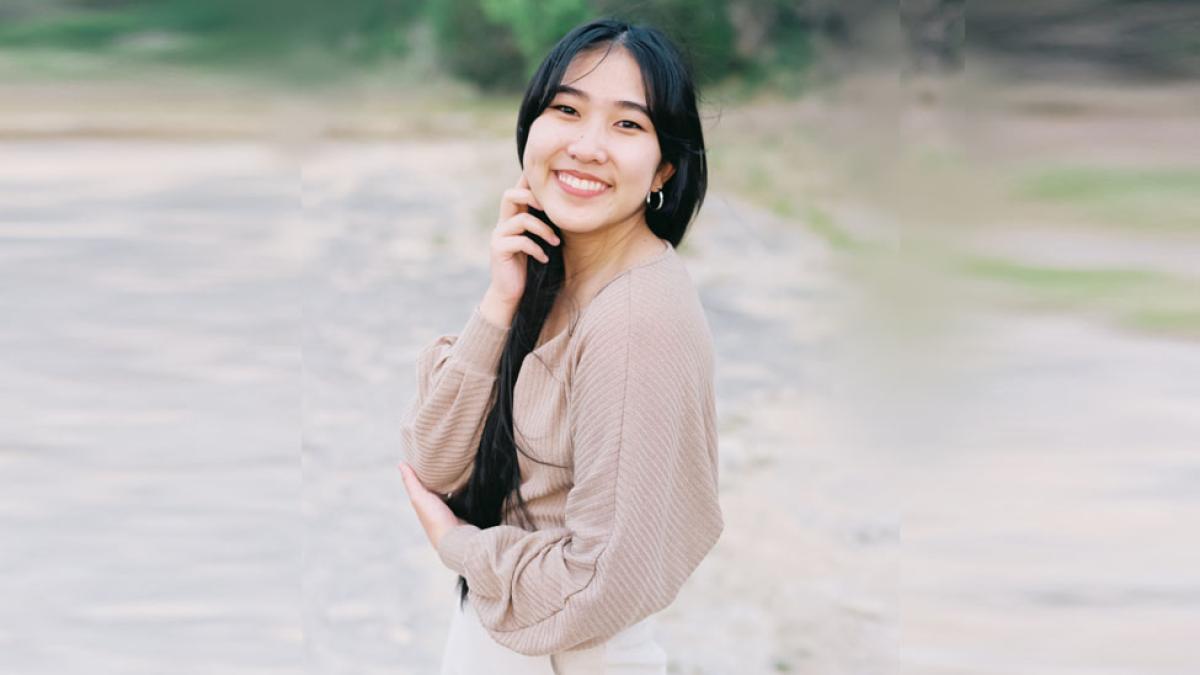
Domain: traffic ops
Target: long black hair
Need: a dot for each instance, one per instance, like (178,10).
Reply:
(671,99)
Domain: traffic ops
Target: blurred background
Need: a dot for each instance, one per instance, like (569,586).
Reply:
(949,259)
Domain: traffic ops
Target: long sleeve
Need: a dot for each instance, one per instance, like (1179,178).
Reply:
(441,430)
(643,510)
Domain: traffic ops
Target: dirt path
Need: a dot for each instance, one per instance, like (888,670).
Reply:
(994,494)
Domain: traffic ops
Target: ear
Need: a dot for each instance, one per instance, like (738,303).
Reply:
(663,175)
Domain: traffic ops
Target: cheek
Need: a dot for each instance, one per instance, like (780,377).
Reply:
(539,144)
(644,160)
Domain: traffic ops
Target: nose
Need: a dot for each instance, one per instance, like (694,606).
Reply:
(588,147)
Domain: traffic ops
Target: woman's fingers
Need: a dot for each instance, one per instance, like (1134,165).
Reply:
(523,184)
(409,477)
(414,487)
(522,222)
(517,200)
(511,238)
(523,244)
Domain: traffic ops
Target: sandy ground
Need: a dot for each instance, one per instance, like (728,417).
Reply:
(207,350)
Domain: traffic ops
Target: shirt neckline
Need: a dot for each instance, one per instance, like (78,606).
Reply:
(669,250)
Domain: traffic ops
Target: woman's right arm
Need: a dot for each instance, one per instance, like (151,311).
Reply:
(456,374)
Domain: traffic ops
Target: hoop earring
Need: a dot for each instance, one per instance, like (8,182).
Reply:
(660,199)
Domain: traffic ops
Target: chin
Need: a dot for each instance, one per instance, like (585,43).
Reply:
(572,222)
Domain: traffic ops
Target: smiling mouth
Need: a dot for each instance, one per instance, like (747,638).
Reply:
(578,186)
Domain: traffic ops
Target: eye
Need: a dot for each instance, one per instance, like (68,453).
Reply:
(564,108)
(635,124)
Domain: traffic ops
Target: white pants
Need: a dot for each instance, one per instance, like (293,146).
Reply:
(471,651)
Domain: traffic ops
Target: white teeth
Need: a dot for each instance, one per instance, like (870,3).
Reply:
(590,186)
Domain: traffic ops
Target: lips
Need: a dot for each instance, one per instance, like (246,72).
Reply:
(580,184)
(582,175)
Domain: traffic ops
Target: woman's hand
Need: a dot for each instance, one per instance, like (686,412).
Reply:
(510,246)
(435,516)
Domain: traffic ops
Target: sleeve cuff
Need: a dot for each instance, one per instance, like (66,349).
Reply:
(480,343)
(455,546)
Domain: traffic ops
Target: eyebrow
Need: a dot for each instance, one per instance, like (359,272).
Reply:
(568,89)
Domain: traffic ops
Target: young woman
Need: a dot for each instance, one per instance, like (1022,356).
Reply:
(571,425)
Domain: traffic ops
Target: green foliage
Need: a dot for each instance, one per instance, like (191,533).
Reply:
(789,43)
(474,47)
(72,30)
(778,39)
(352,30)
(536,25)
(701,27)
(478,39)
(495,44)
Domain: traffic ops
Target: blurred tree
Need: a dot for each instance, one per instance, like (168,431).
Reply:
(701,27)
(362,30)
(496,43)
(475,47)
(935,32)
(1138,38)
(478,39)
(775,38)
(222,30)
(537,24)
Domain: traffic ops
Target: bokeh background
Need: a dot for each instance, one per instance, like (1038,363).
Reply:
(949,259)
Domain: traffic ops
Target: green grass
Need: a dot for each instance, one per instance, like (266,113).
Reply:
(1180,322)
(823,224)
(1078,283)
(1141,198)
(1135,299)
(1098,183)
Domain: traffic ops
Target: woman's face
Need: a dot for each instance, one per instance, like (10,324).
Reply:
(592,155)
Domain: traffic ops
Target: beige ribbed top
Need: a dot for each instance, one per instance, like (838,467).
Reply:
(624,402)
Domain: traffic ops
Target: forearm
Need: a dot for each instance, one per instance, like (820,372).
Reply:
(441,430)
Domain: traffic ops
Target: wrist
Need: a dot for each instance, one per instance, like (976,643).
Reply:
(497,310)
